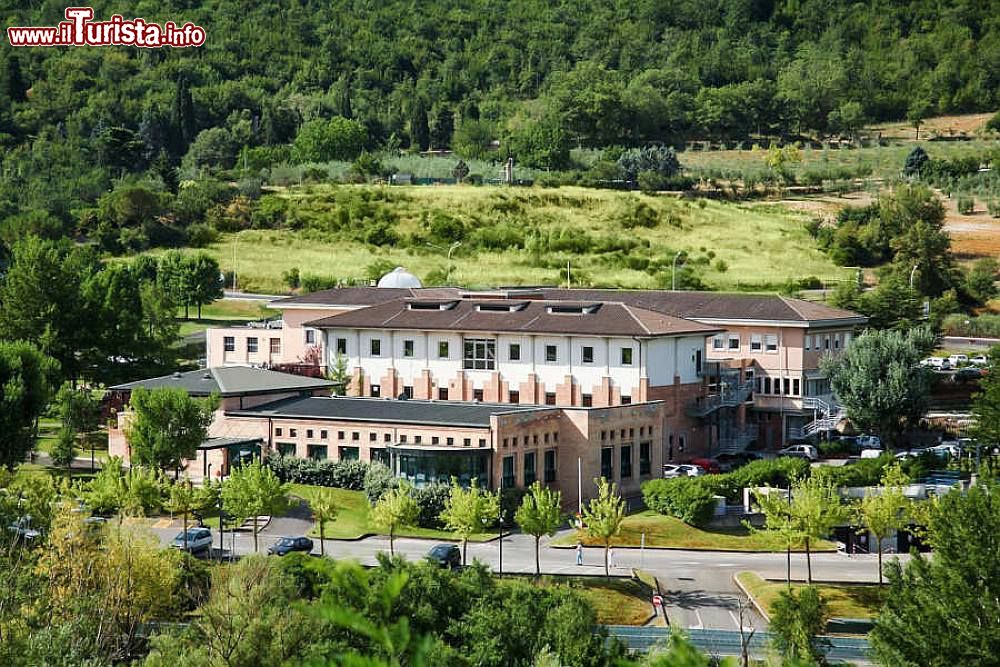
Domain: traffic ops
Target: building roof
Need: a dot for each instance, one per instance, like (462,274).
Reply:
(437,413)
(230,381)
(354,297)
(596,318)
(221,443)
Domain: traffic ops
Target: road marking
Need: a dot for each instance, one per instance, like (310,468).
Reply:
(726,565)
(700,625)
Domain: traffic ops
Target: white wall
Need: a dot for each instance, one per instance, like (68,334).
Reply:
(668,357)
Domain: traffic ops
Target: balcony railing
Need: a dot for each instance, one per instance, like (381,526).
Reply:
(729,395)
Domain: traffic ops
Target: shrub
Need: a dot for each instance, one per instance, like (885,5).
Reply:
(639,214)
(338,474)
(431,500)
(378,480)
(966,205)
(201,235)
(313,283)
(687,498)
(797,622)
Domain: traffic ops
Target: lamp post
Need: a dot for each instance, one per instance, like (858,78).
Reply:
(673,271)
(913,274)
(450,250)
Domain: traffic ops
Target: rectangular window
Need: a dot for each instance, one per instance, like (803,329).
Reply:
(402,439)
(645,449)
(607,465)
(826,342)
(626,461)
(770,343)
(513,396)
(340,435)
(795,387)
(229,343)
(435,440)
(376,347)
(442,349)
(588,354)
(477,395)
(341,346)
(480,354)
(275,346)
(310,336)
(508,472)
(316,452)
(408,392)
(309,433)
(442,393)
(514,352)
(550,398)
(808,342)
(292,433)
(767,385)
(251,346)
(626,356)
(286,448)
(417,439)
(449,441)
(349,453)
(550,465)
(529,468)
(355,435)
(482,442)
(755,342)
(407,348)
(588,400)
(379,455)
(277,431)
(734,342)
(372,437)
(836,341)
(376,390)
(787,385)
(717,342)
(550,353)
(626,400)
(387,438)
(322,435)
(466,442)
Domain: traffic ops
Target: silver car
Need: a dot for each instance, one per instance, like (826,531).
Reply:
(198,540)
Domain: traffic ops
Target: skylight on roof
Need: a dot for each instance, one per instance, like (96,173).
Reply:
(575,309)
(501,307)
(431,305)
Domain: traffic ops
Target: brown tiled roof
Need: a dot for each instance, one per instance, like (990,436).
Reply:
(362,296)
(594,318)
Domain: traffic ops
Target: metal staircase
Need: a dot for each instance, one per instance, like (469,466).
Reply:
(737,440)
(729,395)
(832,414)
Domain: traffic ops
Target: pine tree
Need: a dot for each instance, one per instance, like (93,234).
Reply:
(420,136)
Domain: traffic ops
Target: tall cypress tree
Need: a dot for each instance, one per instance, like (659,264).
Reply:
(15,88)
(182,121)
(420,134)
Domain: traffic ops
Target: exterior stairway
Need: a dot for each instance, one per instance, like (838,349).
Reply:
(730,395)
(828,415)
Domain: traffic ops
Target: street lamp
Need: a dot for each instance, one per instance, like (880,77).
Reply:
(450,250)
(673,271)
(913,274)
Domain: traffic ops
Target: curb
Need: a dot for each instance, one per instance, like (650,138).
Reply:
(695,549)
(756,605)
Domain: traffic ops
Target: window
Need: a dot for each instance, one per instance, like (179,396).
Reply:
(626,461)
(508,471)
(467,442)
(505,442)
(309,433)
(286,448)
(292,433)
(277,431)
(340,435)
(626,356)
(607,467)
(435,440)
(734,342)
(372,437)
(310,336)
(680,443)
(376,347)
(322,435)
(697,362)
(477,395)
(442,349)
(513,396)
(767,385)
(275,346)
(836,341)
(482,442)
(316,452)
(417,439)
(787,385)
(376,390)
(379,455)
(645,466)
(550,465)
(550,398)
(229,343)
(588,354)
(341,346)
(355,435)
(529,468)
(251,346)
(770,343)
(514,352)
(449,441)
(349,453)
(755,343)
(387,438)
(407,348)
(808,342)
(826,342)
(480,354)
(442,393)
(550,353)
(795,387)
(407,392)
(588,400)
(626,400)
(717,342)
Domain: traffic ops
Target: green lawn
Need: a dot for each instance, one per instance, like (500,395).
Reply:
(845,601)
(668,532)
(617,601)
(48,431)
(353,520)
(222,313)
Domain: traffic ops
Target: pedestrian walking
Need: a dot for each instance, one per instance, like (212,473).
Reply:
(579,553)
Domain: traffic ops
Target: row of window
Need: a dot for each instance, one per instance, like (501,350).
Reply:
(627,433)
(531,439)
(279,432)
(758,342)
(529,474)
(320,452)
(777,386)
(625,460)
(513,395)
(229,344)
(827,341)
(481,353)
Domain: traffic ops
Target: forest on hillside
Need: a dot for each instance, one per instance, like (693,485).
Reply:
(307,81)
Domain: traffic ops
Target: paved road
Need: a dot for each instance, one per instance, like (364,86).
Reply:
(698,585)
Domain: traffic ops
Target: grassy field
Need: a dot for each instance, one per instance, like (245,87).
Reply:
(729,245)
(667,532)
(617,601)
(353,520)
(228,312)
(48,430)
(844,601)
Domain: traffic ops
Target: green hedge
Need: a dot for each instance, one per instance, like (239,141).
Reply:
(687,498)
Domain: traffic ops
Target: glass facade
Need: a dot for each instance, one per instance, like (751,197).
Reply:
(426,467)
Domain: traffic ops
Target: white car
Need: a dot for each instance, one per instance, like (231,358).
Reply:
(671,471)
(869,442)
(947,450)
(979,360)
(958,359)
(198,540)
(937,363)
(802,451)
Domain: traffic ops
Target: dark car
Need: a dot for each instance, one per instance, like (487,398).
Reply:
(286,545)
(445,555)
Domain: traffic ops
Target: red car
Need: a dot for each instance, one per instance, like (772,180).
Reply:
(711,466)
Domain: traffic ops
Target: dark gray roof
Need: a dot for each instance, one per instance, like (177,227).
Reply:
(219,443)
(361,296)
(230,381)
(438,413)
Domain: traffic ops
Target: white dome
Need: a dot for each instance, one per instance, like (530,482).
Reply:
(399,277)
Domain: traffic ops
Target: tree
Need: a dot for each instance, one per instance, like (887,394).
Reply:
(15,88)
(916,160)
(340,375)
(63,450)
(420,133)
(461,171)
(878,378)
(78,410)
(885,511)
(986,404)
(443,128)
(943,610)
(182,119)
(661,160)
(320,140)
(980,281)
(251,491)
(25,386)
(473,137)
(539,514)
(204,274)
(396,508)
(798,619)
(469,511)
(542,144)
(166,426)
(324,508)
(916,113)
(603,516)
(186,499)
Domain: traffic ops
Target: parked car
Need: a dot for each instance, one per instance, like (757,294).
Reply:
(946,450)
(671,471)
(800,451)
(968,373)
(937,363)
(445,555)
(869,442)
(958,360)
(979,360)
(286,545)
(198,540)
(710,466)
(23,530)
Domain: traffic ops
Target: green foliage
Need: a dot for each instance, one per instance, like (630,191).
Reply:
(63,451)
(137,491)
(980,281)
(335,139)
(660,160)
(915,161)
(396,508)
(338,474)
(469,511)
(542,144)
(540,513)
(253,490)
(26,377)
(986,403)
(685,498)
(886,510)
(603,516)
(324,508)
(966,205)
(166,426)
(798,618)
